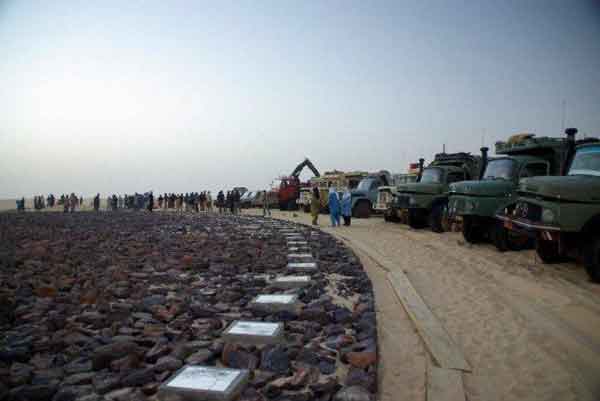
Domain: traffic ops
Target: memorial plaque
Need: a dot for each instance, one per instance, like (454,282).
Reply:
(275,302)
(204,383)
(302,266)
(292,281)
(297,243)
(247,332)
(303,248)
(296,238)
(300,256)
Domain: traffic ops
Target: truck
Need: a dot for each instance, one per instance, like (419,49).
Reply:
(289,187)
(364,196)
(424,202)
(562,213)
(474,204)
(335,178)
(386,193)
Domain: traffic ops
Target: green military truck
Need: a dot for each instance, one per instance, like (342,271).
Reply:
(562,213)
(424,202)
(474,204)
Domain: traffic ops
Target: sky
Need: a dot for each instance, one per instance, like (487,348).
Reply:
(124,96)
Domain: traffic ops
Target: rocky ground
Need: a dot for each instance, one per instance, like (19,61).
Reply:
(106,306)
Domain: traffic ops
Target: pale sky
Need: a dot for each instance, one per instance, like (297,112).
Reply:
(123,96)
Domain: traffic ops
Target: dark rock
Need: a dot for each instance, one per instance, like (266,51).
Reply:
(138,378)
(359,377)
(167,363)
(235,356)
(16,354)
(20,374)
(104,383)
(78,379)
(327,366)
(104,355)
(40,392)
(200,357)
(275,359)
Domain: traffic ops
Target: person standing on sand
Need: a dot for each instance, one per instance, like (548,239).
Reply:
(266,209)
(347,207)
(96,202)
(315,205)
(73,202)
(150,202)
(334,207)
(220,201)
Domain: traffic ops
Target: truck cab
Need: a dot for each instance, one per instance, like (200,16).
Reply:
(364,196)
(473,204)
(385,194)
(562,213)
(424,202)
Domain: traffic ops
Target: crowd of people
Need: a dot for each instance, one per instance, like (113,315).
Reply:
(190,202)
(338,206)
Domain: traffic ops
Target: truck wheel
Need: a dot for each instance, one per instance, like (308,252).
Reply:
(471,232)
(435,218)
(591,259)
(362,210)
(547,251)
(500,237)
(414,219)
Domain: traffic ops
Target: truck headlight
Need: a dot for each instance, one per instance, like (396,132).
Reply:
(547,216)
(412,201)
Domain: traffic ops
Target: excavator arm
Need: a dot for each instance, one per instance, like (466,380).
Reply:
(300,167)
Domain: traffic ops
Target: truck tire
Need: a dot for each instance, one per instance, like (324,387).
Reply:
(500,237)
(547,251)
(591,259)
(435,218)
(415,220)
(471,231)
(362,210)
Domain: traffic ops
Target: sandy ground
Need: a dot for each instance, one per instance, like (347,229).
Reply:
(530,331)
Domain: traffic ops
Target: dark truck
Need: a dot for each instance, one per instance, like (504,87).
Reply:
(562,213)
(424,202)
(474,204)
(364,196)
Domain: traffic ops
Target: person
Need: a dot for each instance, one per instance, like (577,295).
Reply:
(97,203)
(334,207)
(347,207)
(209,202)
(73,202)
(266,209)
(150,205)
(221,201)
(315,205)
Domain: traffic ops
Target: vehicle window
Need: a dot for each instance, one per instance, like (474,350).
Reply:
(455,177)
(534,170)
(374,184)
(499,169)
(365,184)
(432,175)
(586,162)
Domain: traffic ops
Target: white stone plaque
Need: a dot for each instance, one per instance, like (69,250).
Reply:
(297,243)
(204,383)
(254,332)
(300,256)
(298,248)
(276,299)
(291,281)
(302,266)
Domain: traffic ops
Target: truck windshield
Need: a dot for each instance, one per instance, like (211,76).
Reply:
(586,161)
(432,175)
(365,184)
(499,169)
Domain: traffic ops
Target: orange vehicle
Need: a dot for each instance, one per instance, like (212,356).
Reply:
(289,188)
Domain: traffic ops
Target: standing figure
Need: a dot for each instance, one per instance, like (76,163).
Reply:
(220,201)
(334,207)
(315,205)
(150,202)
(347,207)
(73,200)
(266,208)
(96,203)
(209,201)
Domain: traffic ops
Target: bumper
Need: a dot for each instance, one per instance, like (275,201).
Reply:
(530,228)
